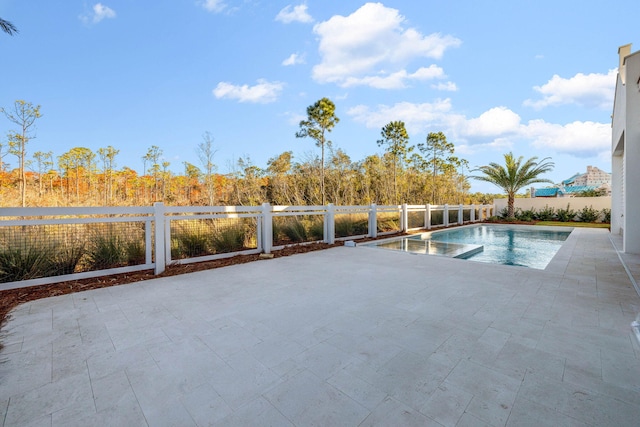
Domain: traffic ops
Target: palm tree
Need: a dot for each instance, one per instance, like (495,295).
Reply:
(515,175)
(8,27)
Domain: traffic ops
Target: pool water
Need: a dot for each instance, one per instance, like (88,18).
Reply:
(532,247)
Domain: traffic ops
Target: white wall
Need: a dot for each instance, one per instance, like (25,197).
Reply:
(631,185)
(575,203)
(625,144)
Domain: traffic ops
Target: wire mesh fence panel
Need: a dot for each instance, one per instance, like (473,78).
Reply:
(347,225)
(453,216)
(45,250)
(113,245)
(466,215)
(388,221)
(297,229)
(415,219)
(191,238)
(437,217)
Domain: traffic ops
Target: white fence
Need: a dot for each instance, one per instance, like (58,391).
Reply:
(76,243)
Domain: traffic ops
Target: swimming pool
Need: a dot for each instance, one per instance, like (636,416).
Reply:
(526,246)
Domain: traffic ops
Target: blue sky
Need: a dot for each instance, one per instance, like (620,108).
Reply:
(533,77)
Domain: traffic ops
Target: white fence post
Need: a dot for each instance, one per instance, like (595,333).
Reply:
(445,216)
(472,214)
(160,237)
(373,221)
(427,216)
(330,224)
(460,215)
(404,218)
(267,228)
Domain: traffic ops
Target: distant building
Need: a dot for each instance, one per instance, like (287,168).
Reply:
(594,180)
(625,152)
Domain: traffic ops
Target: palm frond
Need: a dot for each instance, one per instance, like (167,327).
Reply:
(8,27)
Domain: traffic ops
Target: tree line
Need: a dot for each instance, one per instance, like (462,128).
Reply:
(426,173)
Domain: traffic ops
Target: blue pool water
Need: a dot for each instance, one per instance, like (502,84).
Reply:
(532,247)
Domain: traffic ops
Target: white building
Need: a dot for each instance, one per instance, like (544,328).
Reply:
(625,148)
(594,180)
(594,177)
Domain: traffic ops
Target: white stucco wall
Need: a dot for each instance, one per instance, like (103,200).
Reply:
(625,144)
(631,235)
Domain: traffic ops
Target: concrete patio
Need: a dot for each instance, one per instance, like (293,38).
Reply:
(346,336)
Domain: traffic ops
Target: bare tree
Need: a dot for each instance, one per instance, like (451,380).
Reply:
(108,155)
(205,154)
(24,114)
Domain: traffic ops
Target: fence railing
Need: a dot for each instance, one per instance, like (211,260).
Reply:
(47,245)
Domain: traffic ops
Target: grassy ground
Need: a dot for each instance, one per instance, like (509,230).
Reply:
(575,224)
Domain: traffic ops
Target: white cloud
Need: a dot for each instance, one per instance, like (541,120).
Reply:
(446,86)
(496,129)
(395,80)
(98,13)
(581,139)
(214,6)
(293,59)
(588,90)
(416,116)
(262,93)
(493,122)
(371,45)
(296,14)
(498,144)
(294,118)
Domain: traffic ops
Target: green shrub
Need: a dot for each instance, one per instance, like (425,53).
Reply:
(546,214)
(388,223)
(315,228)
(23,261)
(135,252)
(525,215)
(294,230)
(106,251)
(191,244)
(351,225)
(588,214)
(606,215)
(65,258)
(565,215)
(228,239)
(503,213)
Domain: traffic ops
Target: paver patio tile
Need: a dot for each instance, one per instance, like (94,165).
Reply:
(409,378)
(515,360)
(306,399)
(391,412)
(526,413)
(259,409)
(205,405)
(447,404)
(377,338)
(73,391)
(324,360)
(484,383)
(470,420)
(621,369)
(360,391)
